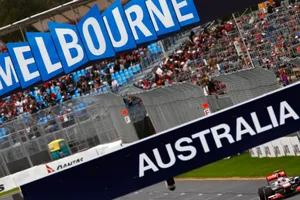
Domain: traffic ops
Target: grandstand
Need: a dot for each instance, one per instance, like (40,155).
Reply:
(68,106)
(71,107)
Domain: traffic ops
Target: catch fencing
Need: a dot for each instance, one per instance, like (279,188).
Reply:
(217,103)
(84,123)
(97,119)
(171,106)
(248,84)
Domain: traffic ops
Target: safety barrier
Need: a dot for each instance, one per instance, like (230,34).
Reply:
(120,117)
(217,103)
(89,121)
(159,157)
(248,84)
(83,123)
(173,105)
(12,182)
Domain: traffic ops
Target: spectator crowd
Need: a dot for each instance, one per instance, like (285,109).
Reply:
(98,78)
(262,38)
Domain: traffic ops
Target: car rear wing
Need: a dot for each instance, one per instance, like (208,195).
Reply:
(274,176)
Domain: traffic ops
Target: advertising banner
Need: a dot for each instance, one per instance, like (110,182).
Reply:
(269,150)
(70,161)
(285,146)
(8,186)
(260,151)
(277,148)
(177,150)
(296,145)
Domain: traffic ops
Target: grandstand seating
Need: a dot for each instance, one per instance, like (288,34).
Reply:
(259,41)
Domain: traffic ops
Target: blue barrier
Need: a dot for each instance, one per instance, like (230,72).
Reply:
(175,151)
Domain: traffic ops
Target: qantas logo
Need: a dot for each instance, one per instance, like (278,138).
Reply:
(49,169)
(64,165)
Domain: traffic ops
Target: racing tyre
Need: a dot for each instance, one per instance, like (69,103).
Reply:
(261,193)
(268,192)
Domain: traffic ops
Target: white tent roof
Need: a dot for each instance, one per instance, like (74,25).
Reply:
(66,13)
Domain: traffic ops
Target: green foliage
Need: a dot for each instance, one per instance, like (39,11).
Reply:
(15,10)
(246,166)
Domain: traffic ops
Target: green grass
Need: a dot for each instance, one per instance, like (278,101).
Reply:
(245,166)
(10,192)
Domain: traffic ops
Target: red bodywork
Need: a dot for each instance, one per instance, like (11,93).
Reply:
(280,196)
(276,196)
(274,176)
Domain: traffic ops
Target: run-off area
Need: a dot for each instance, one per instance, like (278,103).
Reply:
(202,190)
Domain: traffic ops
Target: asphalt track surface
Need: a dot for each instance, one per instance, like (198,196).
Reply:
(202,190)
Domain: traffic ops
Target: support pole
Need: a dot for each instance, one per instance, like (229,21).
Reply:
(22,33)
(41,24)
(74,15)
(243,40)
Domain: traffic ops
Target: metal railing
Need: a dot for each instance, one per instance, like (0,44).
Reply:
(83,123)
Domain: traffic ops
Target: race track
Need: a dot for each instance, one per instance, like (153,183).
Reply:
(202,190)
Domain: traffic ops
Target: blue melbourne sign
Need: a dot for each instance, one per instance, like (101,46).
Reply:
(97,36)
(175,151)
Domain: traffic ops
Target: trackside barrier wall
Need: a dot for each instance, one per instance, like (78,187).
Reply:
(120,118)
(248,84)
(14,181)
(171,106)
(217,103)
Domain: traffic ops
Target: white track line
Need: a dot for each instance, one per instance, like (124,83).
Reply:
(254,198)
(165,194)
(194,197)
(214,196)
(238,196)
(181,194)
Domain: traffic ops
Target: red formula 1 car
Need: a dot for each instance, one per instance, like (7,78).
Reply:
(279,186)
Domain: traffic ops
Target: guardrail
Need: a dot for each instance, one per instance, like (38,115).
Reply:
(83,123)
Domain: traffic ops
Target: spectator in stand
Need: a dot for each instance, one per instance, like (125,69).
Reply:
(212,51)
(115,86)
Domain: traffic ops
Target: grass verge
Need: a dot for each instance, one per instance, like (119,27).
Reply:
(10,192)
(244,166)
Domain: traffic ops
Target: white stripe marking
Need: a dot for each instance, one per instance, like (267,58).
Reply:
(165,194)
(193,197)
(238,196)
(254,198)
(214,196)
(181,194)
